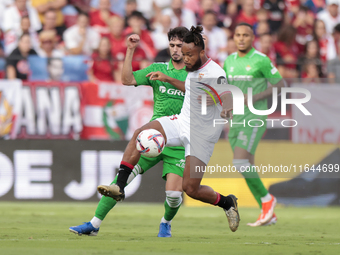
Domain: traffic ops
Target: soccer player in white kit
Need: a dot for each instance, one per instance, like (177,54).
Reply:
(190,129)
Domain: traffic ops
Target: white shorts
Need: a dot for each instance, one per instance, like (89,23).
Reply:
(177,133)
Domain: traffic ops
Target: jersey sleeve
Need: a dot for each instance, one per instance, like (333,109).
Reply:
(270,72)
(140,75)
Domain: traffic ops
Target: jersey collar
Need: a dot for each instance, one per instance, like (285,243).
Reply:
(171,66)
(248,55)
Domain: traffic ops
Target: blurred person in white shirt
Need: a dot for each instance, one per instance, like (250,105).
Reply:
(80,38)
(330,15)
(13,14)
(48,40)
(12,36)
(180,16)
(217,38)
(160,35)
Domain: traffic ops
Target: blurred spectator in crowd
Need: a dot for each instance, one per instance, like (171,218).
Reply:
(13,14)
(333,69)
(12,36)
(247,13)
(100,19)
(231,46)
(287,52)
(85,5)
(152,8)
(130,6)
(277,13)
(261,28)
(55,69)
(303,22)
(160,35)
(80,38)
(266,47)
(116,6)
(217,39)
(17,65)
(199,7)
(325,40)
(310,72)
(117,37)
(102,68)
(137,25)
(180,16)
(50,18)
(48,40)
(314,5)
(42,6)
(336,37)
(311,56)
(330,15)
(261,16)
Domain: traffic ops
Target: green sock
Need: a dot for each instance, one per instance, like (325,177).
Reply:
(105,205)
(170,212)
(255,185)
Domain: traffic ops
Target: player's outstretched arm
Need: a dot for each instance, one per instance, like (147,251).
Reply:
(127,75)
(268,92)
(164,78)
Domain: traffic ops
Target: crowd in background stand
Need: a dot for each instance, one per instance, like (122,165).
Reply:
(301,37)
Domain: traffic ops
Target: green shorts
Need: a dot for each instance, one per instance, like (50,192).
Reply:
(173,161)
(246,137)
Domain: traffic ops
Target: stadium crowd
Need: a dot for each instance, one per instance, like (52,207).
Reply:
(301,37)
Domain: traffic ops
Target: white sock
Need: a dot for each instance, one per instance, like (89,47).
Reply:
(266,198)
(165,221)
(96,222)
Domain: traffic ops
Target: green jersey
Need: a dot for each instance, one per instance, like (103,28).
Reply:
(168,100)
(253,70)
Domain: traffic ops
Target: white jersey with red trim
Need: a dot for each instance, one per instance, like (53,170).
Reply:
(209,79)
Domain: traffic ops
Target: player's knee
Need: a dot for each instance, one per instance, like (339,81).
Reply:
(173,198)
(190,190)
(242,165)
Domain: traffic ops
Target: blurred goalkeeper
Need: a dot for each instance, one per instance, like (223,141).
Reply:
(167,101)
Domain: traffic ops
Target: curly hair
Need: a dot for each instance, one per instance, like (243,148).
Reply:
(177,33)
(195,36)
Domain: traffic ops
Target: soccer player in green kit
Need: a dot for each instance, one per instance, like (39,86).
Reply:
(249,68)
(167,101)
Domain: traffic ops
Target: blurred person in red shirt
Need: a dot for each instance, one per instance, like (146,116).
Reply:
(287,52)
(310,72)
(325,40)
(247,13)
(137,25)
(100,19)
(117,37)
(102,64)
(303,22)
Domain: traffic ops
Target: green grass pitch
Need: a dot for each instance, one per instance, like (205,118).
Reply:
(42,228)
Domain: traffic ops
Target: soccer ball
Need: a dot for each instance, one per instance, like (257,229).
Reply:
(150,143)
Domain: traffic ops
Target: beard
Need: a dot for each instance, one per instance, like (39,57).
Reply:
(177,60)
(195,67)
